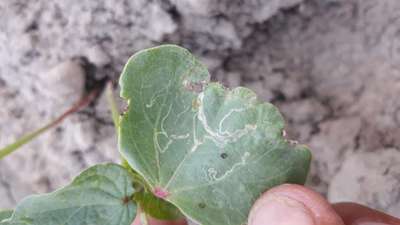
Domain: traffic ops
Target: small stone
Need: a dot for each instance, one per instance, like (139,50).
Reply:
(63,84)
(98,56)
(334,143)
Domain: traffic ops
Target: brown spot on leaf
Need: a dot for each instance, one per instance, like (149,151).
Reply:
(125,200)
(202,205)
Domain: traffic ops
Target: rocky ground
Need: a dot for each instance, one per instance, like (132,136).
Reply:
(331,66)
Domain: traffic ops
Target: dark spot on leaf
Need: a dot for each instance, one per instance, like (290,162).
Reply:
(224,155)
(125,200)
(202,205)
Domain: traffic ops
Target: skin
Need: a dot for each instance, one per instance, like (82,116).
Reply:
(305,207)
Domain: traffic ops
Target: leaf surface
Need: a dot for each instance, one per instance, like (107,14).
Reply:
(208,150)
(5,214)
(101,195)
(157,207)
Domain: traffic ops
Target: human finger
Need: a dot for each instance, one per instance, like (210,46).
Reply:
(293,204)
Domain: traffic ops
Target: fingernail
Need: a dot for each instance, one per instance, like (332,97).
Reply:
(369,223)
(280,210)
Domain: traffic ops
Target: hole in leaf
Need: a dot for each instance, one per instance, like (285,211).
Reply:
(194,86)
(202,205)
(224,155)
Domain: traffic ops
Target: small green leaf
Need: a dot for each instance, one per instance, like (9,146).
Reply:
(101,195)
(208,150)
(157,207)
(5,214)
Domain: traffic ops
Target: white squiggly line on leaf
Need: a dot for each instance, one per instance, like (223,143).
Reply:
(212,172)
(220,137)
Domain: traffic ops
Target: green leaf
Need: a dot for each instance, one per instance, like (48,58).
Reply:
(157,207)
(7,222)
(101,195)
(150,204)
(208,150)
(5,214)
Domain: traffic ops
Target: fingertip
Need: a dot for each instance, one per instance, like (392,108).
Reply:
(304,206)
(356,214)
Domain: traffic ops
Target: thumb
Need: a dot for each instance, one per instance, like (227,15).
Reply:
(292,204)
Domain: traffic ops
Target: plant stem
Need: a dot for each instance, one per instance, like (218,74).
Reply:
(30,136)
(143,218)
(113,106)
(115,116)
